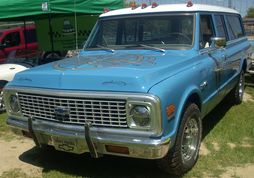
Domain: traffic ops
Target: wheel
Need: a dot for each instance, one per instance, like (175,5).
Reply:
(236,95)
(183,156)
(2,106)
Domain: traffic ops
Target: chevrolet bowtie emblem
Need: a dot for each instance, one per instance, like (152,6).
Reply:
(62,113)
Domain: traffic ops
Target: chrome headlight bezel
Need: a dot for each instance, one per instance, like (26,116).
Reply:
(8,96)
(153,106)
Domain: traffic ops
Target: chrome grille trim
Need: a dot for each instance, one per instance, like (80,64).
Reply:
(100,112)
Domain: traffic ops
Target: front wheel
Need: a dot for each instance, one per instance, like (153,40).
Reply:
(183,156)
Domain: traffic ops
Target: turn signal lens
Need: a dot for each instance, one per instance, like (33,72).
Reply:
(170,110)
(117,149)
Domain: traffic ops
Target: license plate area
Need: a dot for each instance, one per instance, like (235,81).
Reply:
(70,145)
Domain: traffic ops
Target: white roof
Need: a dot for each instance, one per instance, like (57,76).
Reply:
(170,8)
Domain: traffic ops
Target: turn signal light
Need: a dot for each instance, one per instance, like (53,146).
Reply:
(170,110)
(117,149)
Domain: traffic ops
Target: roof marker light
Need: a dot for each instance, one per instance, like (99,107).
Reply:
(133,5)
(144,5)
(189,4)
(154,4)
(106,10)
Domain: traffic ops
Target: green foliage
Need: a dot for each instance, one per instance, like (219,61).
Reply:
(250,12)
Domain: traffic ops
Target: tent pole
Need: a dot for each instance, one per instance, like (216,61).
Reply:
(51,32)
(25,34)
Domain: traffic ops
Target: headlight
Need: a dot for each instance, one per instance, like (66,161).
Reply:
(14,103)
(140,116)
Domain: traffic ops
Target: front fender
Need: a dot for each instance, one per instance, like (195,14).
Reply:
(176,93)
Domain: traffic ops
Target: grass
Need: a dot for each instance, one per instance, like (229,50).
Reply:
(226,125)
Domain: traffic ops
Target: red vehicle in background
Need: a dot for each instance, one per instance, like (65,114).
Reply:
(18,42)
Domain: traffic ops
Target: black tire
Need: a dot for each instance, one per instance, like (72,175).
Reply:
(177,162)
(236,95)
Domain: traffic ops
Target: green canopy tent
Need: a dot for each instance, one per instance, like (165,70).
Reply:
(18,9)
(50,16)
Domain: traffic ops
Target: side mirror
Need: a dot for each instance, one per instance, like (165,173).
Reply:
(218,42)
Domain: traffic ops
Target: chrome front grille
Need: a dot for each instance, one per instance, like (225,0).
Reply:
(99,112)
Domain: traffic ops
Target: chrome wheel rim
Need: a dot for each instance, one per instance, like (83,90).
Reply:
(1,101)
(190,140)
(241,86)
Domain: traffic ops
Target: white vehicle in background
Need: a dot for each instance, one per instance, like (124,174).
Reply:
(7,73)
(14,64)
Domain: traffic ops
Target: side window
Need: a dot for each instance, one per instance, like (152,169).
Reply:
(220,26)
(206,31)
(234,27)
(12,39)
(30,36)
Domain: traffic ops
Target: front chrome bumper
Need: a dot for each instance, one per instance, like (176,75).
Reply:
(71,138)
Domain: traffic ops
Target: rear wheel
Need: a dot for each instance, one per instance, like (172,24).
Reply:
(236,95)
(2,107)
(183,156)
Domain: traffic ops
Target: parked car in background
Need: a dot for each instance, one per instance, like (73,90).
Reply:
(22,39)
(9,69)
(17,63)
(140,88)
(7,72)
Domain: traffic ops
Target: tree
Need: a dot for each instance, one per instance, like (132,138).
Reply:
(250,12)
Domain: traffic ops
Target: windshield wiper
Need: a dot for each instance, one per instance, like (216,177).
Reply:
(105,48)
(151,47)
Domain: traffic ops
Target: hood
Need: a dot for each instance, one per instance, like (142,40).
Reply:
(125,71)
(8,71)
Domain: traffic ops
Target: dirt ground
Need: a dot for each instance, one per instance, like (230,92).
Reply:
(10,153)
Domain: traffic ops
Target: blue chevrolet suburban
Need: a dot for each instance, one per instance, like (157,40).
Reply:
(140,88)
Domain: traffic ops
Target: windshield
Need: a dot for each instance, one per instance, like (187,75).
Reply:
(167,31)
